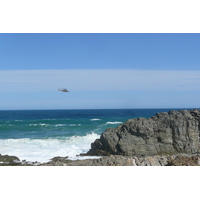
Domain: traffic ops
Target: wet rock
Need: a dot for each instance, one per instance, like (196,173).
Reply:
(57,161)
(6,160)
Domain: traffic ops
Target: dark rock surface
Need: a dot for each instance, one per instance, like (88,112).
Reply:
(166,133)
(6,160)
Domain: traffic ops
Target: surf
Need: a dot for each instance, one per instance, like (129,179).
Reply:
(42,150)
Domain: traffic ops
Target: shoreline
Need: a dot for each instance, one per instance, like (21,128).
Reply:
(112,160)
(166,139)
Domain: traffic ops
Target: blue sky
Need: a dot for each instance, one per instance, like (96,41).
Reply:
(99,70)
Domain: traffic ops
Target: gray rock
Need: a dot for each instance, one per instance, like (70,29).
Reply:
(6,160)
(118,160)
(164,134)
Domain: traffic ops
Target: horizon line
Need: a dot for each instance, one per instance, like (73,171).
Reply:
(97,109)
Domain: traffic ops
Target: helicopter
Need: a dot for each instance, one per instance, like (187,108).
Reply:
(63,90)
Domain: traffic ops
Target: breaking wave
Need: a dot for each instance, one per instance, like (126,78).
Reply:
(42,150)
(114,122)
(95,119)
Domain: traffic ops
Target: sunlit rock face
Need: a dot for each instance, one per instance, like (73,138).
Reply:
(165,133)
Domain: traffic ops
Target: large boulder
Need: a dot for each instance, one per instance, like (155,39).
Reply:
(166,133)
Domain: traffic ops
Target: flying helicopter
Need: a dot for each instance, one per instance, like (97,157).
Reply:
(63,90)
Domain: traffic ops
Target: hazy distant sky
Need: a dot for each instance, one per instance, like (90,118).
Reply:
(99,70)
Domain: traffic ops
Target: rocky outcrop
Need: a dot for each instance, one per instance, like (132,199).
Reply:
(165,133)
(184,160)
(112,160)
(117,160)
(6,160)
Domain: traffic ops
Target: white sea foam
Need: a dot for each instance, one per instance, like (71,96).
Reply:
(60,125)
(43,124)
(114,122)
(72,125)
(95,119)
(40,124)
(42,150)
(33,124)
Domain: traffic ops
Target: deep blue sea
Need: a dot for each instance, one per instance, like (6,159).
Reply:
(39,135)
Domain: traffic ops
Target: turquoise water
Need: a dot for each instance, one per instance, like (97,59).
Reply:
(39,135)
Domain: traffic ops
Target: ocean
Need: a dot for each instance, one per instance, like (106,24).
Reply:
(39,135)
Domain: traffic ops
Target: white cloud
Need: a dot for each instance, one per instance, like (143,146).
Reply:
(99,80)
(37,89)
